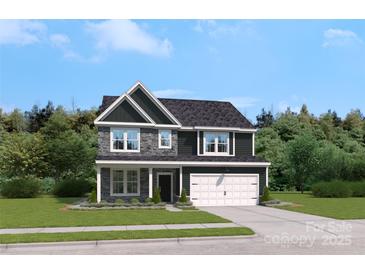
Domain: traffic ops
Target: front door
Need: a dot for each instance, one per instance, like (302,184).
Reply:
(164,182)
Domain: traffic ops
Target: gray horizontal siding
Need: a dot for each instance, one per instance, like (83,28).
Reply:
(245,170)
(187,143)
(243,144)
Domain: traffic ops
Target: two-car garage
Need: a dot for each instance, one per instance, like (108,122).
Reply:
(224,189)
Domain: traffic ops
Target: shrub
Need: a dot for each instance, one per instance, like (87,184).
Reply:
(156,198)
(119,201)
(148,200)
(183,198)
(72,187)
(335,189)
(266,195)
(47,185)
(134,201)
(92,196)
(21,187)
(358,189)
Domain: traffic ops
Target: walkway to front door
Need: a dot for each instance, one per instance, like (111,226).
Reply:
(164,182)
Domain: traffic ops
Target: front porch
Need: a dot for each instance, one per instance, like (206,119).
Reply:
(129,181)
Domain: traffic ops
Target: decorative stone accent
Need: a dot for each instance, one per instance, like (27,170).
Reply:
(148,144)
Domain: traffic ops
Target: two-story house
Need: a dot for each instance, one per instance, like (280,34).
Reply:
(205,147)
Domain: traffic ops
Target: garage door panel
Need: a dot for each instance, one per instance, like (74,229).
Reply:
(224,189)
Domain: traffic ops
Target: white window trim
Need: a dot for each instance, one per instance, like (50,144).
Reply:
(159,139)
(124,183)
(216,153)
(125,129)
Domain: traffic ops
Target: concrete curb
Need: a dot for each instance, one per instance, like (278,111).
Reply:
(111,242)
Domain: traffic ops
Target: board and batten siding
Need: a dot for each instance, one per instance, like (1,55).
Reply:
(150,107)
(244,170)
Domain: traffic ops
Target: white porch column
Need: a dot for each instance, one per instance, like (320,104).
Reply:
(267,176)
(150,182)
(98,184)
(253,144)
(180,181)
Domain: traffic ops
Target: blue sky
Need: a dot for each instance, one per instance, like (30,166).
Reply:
(255,64)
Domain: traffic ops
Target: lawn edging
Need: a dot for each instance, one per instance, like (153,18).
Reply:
(96,237)
(136,241)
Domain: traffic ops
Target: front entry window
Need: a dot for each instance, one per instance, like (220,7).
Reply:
(125,182)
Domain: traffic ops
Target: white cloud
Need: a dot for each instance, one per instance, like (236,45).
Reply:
(173,93)
(63,43)
(59,40)
(217,29)
(21,32)
(242,102)
(339,37)
(129,36)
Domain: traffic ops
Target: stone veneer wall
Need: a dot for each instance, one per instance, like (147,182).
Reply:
(148,144)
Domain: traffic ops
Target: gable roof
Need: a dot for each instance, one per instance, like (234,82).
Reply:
(198,112)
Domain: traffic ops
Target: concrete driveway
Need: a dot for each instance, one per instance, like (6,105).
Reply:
(287,230)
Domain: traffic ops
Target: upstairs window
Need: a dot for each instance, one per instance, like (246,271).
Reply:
(125,139)
(216,143)
(164,138)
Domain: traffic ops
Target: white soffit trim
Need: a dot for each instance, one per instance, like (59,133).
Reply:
(183,163)
(249,130)
(117,102)
(153,98)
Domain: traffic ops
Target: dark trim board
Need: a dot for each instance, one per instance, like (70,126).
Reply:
(245,170)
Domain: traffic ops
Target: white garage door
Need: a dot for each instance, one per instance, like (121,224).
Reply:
(224,189)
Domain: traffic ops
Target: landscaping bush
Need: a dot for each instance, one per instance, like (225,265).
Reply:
(47,185)
(358,189)
(92,197)
(72,187)
(156,197)
(20,187)
(134,201)
(148,200)
(335,189)
(119,201)
(183,198)
(266,195)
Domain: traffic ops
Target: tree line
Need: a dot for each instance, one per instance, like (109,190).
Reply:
(303,149)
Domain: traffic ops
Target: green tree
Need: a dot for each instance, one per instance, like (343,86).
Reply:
(23,154)
(38,117)
(303,160)
(69,153)
(287,125)
(15,121)
(264,119)
(57,124)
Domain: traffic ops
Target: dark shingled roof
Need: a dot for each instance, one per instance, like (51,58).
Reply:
(198,112)
(190,158)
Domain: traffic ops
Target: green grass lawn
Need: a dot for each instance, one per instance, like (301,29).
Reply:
(50,212)
(123,235)
(337,208)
